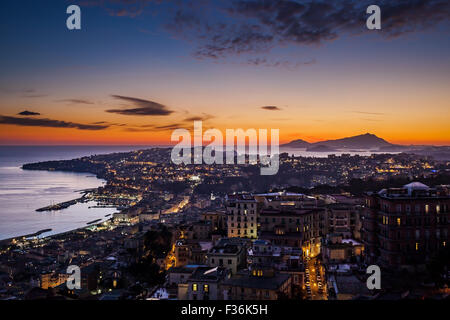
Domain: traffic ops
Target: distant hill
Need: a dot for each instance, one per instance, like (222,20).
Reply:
(299,143)
(363,141)
(320,148)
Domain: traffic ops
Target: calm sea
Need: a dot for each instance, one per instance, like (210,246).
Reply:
(22,191)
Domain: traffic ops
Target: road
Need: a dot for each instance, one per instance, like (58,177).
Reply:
(315,284)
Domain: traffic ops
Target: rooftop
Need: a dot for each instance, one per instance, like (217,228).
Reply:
(414,190)
(208,274)
(248,281)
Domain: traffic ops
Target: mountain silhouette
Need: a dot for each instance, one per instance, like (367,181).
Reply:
(299,143)
(363,141)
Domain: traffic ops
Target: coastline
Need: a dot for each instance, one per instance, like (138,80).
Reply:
(38,233)
(22,195)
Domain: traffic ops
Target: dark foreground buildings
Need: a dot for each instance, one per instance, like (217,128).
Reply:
(404,227)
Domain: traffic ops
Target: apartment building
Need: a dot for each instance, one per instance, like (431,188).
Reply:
(344,219)
(242,215)
(258,284)
(205,283)
(406,226)
(228,253)
(300,228)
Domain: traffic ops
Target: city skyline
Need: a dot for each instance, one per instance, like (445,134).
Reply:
(137,70)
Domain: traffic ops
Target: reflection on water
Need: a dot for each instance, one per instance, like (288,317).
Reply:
(22,192)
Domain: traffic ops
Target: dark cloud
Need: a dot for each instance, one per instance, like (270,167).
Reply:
(271,108)
(203,117)
(219,29)
(28,113)
(33,122)
(255,26)
(142,107)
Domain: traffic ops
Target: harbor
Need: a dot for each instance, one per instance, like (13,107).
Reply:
(62,205)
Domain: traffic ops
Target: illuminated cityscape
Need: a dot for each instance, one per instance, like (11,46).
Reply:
(195,156)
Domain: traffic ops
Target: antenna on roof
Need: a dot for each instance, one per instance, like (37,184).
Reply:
(211,270)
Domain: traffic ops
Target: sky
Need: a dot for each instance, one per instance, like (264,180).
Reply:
(138,69)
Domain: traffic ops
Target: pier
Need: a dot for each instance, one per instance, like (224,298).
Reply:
(62,205)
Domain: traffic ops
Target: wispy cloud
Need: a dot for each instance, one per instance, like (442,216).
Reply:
(203,117)
(121,8)
(76,101)
(28,113)
(152,128)
(43,122)
(34,95)
(370,113)
(141,107)
(271,108)
(279,63)
(368,119)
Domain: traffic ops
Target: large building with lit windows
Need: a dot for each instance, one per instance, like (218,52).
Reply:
(205,284)
(242,215)
(299,228)
(405,226)
(243,209)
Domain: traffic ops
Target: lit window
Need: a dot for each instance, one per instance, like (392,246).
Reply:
(417,246)
(206,288)
(438,208)
(444,243)
(427,208)
(398,221)
(194,287)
